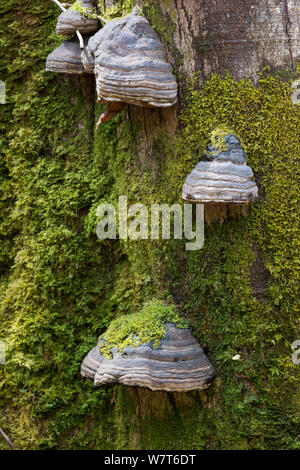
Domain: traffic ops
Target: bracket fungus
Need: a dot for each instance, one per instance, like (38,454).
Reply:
(224,177)
(71,20)
(66,58)
(178,364)
(130,65)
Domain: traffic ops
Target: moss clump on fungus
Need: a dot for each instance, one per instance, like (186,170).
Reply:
(121,8)
(146,326)
(89,13)
(61,287)
(218,138)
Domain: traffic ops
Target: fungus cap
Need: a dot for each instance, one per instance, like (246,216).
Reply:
(178,364)
(130,65)
(66,58)
(224,177)
(71,20)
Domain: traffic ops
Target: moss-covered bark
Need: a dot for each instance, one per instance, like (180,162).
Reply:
(61,287)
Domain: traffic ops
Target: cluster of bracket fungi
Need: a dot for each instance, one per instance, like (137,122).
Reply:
(129,63)
(126,56)
(67,57)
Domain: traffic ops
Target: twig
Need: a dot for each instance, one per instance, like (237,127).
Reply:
(6,438)
(60,5)
(81,43)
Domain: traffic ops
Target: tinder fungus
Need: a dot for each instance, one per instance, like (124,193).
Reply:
(178,364)
(66,58)
(71,20)
(223,176)
(130,65)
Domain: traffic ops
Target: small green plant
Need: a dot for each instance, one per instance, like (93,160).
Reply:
(142,327)
(119,10)
(84,11)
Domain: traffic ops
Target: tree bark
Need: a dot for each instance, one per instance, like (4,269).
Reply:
(239,36)
(211,36)
(216,36)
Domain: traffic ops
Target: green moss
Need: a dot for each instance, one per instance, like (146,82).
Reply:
(218,138)
(164,25)
(146,326)
(222,278)
(46,152)
(89,13)
(60,287)
(121,8)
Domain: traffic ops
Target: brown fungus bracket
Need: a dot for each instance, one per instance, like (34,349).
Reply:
(129,62)
(80,38)
(71,21)
(178,364)
(223,177)
(126,56)
(67,57)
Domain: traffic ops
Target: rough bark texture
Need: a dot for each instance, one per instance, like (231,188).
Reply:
(240,37)
(210,36)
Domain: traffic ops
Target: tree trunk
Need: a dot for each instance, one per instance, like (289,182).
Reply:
(203,37)
(241,36)
(61,287)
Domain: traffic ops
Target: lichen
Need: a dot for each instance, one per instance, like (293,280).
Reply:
(146,326)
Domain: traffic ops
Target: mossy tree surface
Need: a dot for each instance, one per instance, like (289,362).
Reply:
(61,287)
